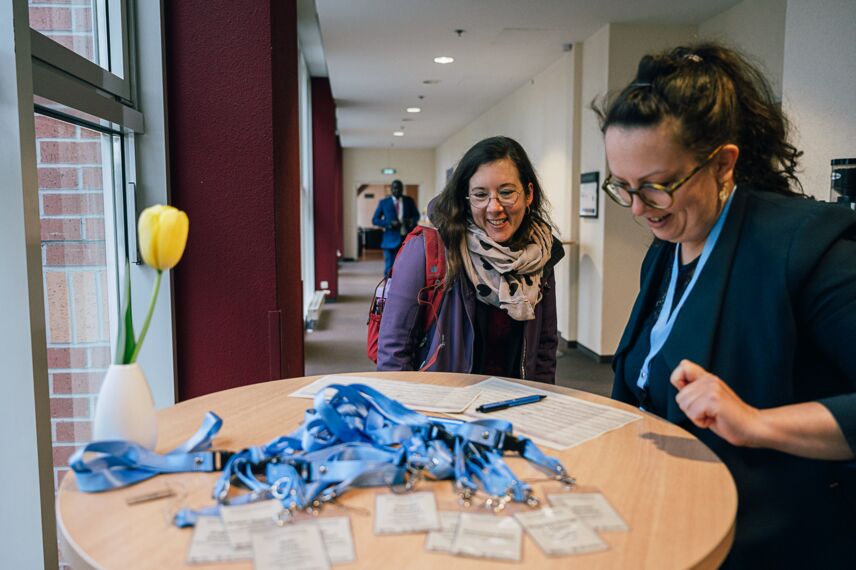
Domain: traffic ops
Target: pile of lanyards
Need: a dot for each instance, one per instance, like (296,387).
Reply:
(357,438)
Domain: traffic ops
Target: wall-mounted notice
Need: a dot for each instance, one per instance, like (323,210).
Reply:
(588,194)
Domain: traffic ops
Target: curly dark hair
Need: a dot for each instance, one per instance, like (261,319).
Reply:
(717,97)
(451,210)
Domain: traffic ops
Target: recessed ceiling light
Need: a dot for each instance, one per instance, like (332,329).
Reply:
(444,59)
(398,134)
(414,109)
(431,81)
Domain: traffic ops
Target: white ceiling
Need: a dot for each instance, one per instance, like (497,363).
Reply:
(379,52)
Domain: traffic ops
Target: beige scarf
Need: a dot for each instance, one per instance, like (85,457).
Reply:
(507,278)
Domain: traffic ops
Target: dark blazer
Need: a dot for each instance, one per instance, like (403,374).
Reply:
(773,314)
(385,214)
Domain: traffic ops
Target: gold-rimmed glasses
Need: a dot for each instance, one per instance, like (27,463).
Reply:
(657,196)
(480,198)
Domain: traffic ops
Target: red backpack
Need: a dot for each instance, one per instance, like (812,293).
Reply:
(430,296)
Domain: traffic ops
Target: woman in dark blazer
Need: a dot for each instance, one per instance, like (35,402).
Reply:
(744,324)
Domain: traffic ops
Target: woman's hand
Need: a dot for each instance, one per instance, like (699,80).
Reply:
(710,403)
(807,429)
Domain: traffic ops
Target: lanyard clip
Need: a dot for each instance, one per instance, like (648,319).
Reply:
(220,458)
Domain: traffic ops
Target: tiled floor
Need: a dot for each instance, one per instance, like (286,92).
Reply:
(338,343)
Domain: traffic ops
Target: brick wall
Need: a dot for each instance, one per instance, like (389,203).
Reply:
(69,22)
(75,277)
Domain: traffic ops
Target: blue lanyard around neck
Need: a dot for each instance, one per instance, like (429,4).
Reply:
(666,320)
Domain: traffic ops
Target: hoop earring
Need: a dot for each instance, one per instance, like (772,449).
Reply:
(527,210)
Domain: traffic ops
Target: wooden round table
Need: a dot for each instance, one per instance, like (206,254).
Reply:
(677,497)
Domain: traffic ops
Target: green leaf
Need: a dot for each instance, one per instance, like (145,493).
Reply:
(125,343)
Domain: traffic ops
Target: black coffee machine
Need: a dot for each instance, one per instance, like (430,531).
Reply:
(844,181)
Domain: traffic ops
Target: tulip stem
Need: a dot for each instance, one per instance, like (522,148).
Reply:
(145,328)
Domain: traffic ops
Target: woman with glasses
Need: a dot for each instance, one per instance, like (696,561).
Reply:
(744,325)
(498,314)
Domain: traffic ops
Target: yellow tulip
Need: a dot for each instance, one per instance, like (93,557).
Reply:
(162,236)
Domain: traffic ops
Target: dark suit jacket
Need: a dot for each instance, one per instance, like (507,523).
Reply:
(773,314)
(385,214)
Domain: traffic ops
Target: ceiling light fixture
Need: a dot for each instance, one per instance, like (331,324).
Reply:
(398,133)
(444,59)
(414,109)
(430,81)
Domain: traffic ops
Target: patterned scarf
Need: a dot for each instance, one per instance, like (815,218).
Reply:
(507,278)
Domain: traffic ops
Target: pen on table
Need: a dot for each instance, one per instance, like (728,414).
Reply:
(496,406)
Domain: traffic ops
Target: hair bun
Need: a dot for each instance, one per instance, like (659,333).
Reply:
(652,67)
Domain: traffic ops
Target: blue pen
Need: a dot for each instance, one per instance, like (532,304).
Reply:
(496,406)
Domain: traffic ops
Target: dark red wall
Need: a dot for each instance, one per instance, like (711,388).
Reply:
(233,165)
(327,185)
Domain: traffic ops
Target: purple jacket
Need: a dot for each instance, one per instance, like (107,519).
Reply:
(449,343)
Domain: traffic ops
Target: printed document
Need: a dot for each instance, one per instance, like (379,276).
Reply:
(404,514)
(558,421)
(559,531)
(423,397)
(441,540)
(242,520)
(488,536)
(210,544)
(593,508)
(337,537)
(291,547)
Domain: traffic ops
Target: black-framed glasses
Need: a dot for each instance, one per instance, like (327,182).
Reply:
(507,197)
(654,195)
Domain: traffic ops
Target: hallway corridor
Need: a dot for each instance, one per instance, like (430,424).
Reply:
(338,343)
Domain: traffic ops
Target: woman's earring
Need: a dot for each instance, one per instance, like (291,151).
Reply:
(723,191)
(527,210)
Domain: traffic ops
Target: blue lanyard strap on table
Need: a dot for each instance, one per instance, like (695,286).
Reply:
(121,463)
(357,438)
(666,320)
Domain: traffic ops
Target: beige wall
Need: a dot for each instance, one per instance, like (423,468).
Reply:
(540,116)
(363,166)
(819,85)
(612,245)
(757,28)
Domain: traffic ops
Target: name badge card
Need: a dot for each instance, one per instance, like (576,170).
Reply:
(242,520)
(210,544)
(292,547)
(337,537)
(404,514)
(593,508)
(559,531)
(488,536)
(441,540)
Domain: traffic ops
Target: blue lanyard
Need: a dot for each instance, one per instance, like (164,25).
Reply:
(666,320)
(357,438)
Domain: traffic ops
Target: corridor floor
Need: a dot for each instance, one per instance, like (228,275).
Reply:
(338,343)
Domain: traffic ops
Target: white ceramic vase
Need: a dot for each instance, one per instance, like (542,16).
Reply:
(125,408)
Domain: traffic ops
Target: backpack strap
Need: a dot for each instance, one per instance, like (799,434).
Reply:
(435,274)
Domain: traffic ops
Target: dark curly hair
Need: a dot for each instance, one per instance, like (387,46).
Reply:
(717,97)
(451,210)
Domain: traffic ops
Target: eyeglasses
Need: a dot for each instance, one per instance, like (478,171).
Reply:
(507,197)
(654,195)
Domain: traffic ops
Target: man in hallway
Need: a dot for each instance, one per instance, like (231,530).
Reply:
(397,214)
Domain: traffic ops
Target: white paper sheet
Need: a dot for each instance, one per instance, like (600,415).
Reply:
(337,537)
(210,544)
(292,547)
(404,514)
(242,520)
(488,536)
(441,540)
(593,508)
(558,421)
(559,531)
(423,397)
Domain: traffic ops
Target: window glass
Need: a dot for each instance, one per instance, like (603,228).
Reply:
(78,242)
(76,24)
